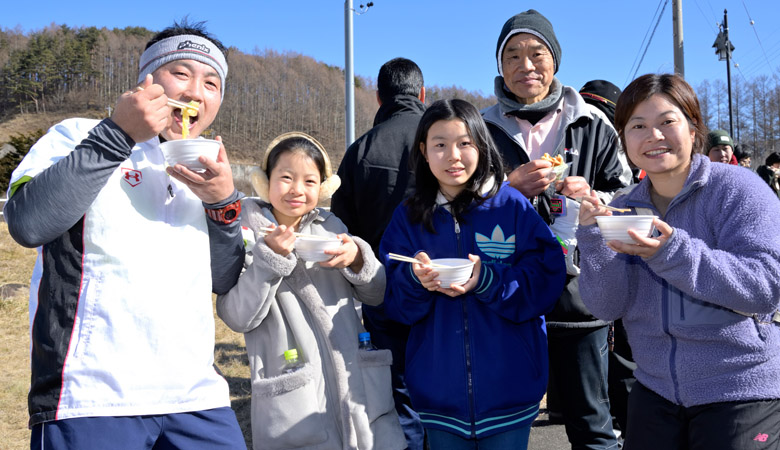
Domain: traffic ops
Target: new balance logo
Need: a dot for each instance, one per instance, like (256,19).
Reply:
(761,437)
(496,246)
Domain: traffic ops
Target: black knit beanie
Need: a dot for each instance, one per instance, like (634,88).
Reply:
(531,22)
(603,95)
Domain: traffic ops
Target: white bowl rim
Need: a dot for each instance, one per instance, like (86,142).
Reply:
(199,140)
(317,239)
(449,267)
(626,217)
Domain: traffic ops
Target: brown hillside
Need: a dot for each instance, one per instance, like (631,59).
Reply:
(28,123)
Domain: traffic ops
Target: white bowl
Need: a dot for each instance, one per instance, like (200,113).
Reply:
(458,271)
(187,151)
(615,228)
(313,249)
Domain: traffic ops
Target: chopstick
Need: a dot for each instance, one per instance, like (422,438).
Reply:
(607,207)
(175,103)
(267,230)
(397,257)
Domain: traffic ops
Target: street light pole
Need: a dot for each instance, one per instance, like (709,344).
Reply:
(728,67)
(723,49)
(349,75)
(349,71)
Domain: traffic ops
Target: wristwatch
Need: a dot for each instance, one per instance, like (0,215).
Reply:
(226,214)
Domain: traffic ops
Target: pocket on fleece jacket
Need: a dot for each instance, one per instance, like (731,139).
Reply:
(286,412)
(375,369)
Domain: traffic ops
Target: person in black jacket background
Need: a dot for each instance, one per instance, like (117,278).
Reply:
(770,172)
(375,178)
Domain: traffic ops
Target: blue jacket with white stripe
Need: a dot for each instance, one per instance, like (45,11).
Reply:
(476,364)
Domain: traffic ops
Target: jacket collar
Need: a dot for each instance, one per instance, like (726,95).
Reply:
(308,218)
(441,200)
(399,103)
(699,176)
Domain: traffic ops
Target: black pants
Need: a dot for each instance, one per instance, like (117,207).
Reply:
(655,423)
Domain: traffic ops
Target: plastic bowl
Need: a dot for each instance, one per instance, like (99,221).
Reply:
(457,272)
(313,249)
(187,151)
(615,228)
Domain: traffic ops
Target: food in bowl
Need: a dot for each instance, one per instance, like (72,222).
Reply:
(457,271)
(187,151)
(313,248)
(558,166)
(615,228)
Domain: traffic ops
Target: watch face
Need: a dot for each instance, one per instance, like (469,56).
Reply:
(230,214)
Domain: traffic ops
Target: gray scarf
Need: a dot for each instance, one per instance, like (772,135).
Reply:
(508,104)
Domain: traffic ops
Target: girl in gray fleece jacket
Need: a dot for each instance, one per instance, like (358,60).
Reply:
(341,398)
(699,299)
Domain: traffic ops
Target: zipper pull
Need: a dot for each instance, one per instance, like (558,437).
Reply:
(457,225)
(170,190)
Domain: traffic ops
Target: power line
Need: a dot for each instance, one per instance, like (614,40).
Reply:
(753,26)
(714,24)
(651,38)
(647,44)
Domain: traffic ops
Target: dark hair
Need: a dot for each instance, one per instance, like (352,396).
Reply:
(741,152)
(422,203)
(675,89)
(399,76)
(296,145)
(178,29)
(773,158)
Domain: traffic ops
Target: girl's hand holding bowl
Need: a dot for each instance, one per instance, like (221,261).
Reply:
(281,240)
(429,277)
(346,255)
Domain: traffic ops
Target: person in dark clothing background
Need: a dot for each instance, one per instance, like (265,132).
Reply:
(604,95)
(375,178)
(770,172)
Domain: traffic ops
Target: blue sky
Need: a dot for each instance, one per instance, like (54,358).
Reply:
(454,41)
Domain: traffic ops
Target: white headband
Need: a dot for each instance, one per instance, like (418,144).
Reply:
(185,46)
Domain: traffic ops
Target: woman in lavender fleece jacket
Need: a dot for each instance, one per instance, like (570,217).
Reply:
(709,377)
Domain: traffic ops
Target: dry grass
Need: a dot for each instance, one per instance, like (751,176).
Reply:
(29,123)
(16,265)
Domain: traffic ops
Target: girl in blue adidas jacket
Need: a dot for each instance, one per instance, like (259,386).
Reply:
(476,359)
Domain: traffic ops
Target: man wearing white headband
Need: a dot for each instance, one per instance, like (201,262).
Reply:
(121,321)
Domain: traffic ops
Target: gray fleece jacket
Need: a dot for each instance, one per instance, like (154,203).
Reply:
(342,398)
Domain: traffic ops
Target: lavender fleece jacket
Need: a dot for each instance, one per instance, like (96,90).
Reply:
(724,254)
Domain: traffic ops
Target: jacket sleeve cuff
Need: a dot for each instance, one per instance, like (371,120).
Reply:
(370,265)
(486,280)
(273,262)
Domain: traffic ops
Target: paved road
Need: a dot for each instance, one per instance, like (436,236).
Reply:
(546,435)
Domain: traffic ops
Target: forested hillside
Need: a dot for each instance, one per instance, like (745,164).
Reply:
(81,71)
(62,69)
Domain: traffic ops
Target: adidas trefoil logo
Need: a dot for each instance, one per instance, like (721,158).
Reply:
(496,246)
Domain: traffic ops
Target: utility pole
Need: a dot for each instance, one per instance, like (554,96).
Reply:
(677,22)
